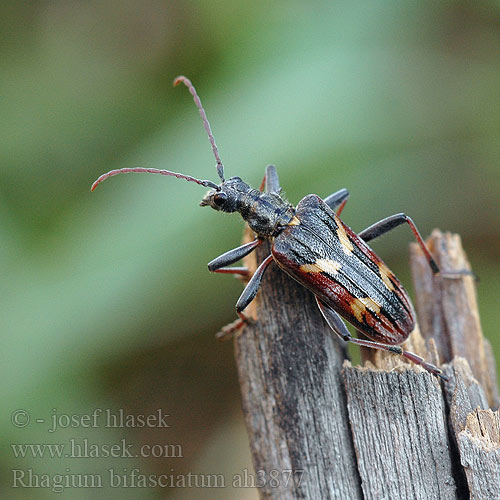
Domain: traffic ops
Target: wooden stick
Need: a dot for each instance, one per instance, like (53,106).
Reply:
(447,310)
(379,431)
(294,404)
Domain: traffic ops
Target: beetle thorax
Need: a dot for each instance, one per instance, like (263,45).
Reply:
(265,213)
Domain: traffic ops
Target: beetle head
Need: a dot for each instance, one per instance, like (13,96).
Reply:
(227,196)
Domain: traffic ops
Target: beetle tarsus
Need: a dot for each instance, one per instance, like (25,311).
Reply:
(234,328)
(455,274)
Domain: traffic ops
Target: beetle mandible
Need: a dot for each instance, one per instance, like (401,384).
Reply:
(312,245)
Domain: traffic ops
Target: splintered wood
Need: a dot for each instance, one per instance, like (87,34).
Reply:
(320,428)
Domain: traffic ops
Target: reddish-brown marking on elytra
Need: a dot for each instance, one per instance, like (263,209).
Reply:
(390,281)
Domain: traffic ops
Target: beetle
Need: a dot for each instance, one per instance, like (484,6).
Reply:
(312,245)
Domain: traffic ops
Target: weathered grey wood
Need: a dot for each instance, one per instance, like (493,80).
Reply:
(475,431)
(399,427)
(289,368)
(463,393)
(447,310)
(479,445)
(298,417)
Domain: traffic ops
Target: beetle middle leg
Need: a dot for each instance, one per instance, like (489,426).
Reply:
(218,266)
(336,201)
(336,323)
(385,225)
(253,285)
(246,297)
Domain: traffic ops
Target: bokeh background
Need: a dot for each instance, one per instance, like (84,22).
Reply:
(106,298)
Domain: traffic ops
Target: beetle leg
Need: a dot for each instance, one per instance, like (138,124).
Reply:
(228,331)
(245,298)
(385,225)
(270,183)
(336,201)
(233,256)
(272,180)
(407,354)
(253,285)
(226,259)
(336,323)
(238,271)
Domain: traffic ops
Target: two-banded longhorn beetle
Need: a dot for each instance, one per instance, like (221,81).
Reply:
(312,245)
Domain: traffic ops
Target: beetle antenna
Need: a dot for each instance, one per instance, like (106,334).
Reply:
(206,124)
(118,171)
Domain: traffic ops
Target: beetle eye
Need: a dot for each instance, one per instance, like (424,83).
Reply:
(220,199)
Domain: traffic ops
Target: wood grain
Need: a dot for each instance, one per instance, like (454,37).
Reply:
(294,404)
(385,430)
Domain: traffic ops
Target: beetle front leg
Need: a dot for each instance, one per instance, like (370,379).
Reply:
(336,201)
(226,259)
(270,183)
(336,323)
(238,271)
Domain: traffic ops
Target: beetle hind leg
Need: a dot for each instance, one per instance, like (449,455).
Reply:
(414,358)
(428,366)
(336,323)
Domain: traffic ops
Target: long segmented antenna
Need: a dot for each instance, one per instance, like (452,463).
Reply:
(118,171)
(206,124)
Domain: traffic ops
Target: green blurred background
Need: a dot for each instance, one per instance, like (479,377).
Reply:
(106,298)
